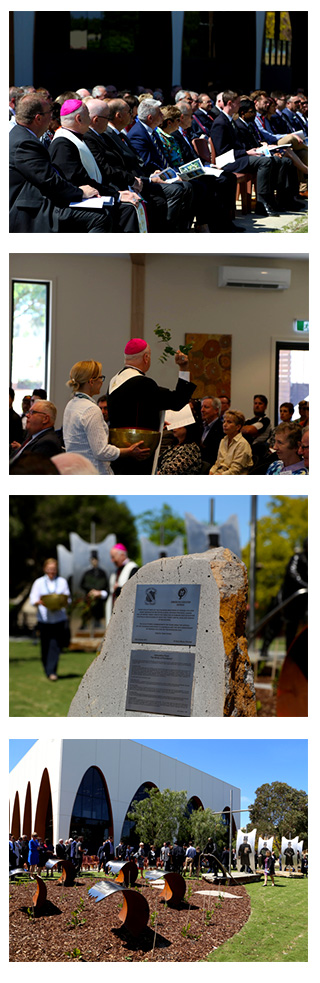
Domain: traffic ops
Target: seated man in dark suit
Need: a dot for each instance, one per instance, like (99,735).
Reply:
(39,195)
(285,177)
(203,116)
(69,152)
(226,139)
(109,152)
(149,148)
(42,438)
(212,432)
(219,193)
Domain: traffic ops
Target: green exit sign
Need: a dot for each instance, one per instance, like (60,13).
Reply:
(301,326)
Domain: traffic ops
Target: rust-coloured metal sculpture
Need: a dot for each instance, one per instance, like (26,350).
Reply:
(134,913)
(40,895)
(174,885)
(127,872)
(68,873)
(292,692)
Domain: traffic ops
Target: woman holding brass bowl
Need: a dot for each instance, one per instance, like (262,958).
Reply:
(84,429)
(50,595)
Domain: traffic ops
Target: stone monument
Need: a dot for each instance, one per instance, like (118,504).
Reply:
(175,644)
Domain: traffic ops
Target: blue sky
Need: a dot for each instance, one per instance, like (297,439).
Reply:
(244,763)
(199,507)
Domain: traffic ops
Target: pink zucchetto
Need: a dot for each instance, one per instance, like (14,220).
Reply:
(70,106)
(120,546)
(135,346)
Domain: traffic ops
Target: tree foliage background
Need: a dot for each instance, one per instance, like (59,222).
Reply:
(165,817)
(203,824)
(280,810)
(39,522)
(278,537)
(158,817)
(163,526)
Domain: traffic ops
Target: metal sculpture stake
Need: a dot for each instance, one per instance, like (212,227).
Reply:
(174,885)
(127,872)
(68,874)
(40,895)
(134,913)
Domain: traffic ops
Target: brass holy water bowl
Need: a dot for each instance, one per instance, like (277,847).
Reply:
(125,436)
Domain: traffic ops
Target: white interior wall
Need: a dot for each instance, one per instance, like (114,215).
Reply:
(92,309)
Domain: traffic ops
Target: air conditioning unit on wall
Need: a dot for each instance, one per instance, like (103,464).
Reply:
(254,277)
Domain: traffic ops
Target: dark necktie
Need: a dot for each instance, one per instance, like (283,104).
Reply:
(157,143)
(255,132)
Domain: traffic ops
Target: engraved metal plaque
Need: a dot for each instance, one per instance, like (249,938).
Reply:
(166,614)
(160,682)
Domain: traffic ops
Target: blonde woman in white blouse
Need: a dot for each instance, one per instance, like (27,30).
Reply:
(234,454)
(84,429)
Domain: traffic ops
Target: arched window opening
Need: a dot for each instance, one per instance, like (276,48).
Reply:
(128,834)
(43,825)
(193,804)
(92,814)
(225,818)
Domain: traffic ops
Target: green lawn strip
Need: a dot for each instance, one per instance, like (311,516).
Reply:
(277,928)
(298,224)
(31,693)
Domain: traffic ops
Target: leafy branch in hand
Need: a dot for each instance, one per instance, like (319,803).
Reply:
(164,336)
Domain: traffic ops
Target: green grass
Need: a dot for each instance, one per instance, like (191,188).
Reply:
(298,224)
(31,693)
(277,928)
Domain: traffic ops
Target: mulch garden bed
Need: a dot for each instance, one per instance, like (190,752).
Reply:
(267,699)
(186,933)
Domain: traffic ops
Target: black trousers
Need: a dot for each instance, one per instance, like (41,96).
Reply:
(84,220)
(214,201)
(180,206)
(263,167)
(51,638)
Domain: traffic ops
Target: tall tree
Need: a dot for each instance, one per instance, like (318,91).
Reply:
(157,817)
(39,522)
(205,824)
(278,537)
(163,526)
(280,810)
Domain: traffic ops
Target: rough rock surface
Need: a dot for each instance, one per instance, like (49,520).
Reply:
(223,677)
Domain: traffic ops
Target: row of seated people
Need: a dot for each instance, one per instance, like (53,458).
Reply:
(218,441)
(227,443)
(260,139)
(87,147)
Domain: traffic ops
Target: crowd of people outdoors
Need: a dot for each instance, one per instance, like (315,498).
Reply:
(32,855)
(123,146)
(215,439)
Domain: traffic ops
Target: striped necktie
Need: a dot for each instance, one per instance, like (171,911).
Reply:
(157,143)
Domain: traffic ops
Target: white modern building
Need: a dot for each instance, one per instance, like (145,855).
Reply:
(86,786)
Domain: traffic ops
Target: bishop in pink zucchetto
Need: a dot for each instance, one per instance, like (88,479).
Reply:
(70,106)
(135,346)
(136,402)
